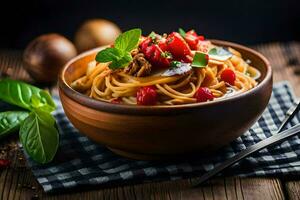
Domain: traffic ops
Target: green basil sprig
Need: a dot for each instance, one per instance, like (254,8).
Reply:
(10,121)
(38,131)
(119,55)
(128,40)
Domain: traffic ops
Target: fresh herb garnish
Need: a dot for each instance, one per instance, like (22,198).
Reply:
(219,53)
(200,60)
(118,58)
(152,35)
(128,40)
(166,54)
(175,63)
(38,131)
(119,55)
(181,32)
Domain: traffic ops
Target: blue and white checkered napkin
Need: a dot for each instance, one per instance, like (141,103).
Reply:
(80,161)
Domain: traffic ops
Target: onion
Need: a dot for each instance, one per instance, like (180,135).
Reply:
(46,55)
(94,33)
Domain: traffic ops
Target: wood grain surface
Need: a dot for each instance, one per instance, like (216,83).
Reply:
(17,181)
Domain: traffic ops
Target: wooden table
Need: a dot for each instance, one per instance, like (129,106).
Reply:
(17,181)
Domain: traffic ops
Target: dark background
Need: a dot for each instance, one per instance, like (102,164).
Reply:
(246,22)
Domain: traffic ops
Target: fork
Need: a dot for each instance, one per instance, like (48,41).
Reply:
(276,138)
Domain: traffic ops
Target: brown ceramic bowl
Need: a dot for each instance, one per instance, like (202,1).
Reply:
(156,132)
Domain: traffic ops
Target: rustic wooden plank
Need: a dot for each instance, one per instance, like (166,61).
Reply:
(227,188)
(11,65)
(13,184)
(262,188)
(293,189)
(241,188)
(7,176)
(279,59)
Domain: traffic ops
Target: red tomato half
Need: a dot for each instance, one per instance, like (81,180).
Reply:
(177,45)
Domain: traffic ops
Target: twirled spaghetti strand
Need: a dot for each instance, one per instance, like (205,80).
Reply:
(103,84)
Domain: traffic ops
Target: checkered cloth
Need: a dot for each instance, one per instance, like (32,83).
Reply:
(79,161)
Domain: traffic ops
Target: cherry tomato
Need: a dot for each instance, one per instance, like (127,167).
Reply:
(228,76)
(186,59)
(201,38)
(192,38)
(192,32)
(162,43)
(203,94)
(203,46)
(177,45)
(154,54)
(192,41)
(146,95)
(145,43)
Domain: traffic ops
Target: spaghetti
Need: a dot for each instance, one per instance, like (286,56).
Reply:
(115,85)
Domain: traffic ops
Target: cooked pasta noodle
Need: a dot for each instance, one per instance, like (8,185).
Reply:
(104,84)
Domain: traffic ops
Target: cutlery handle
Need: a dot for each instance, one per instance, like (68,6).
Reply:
(252,149)
(289,115)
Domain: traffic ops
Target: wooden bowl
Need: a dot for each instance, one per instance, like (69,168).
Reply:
(162,132)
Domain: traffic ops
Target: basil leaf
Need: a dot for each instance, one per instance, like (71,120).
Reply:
(200,60)
(181,32)
(119,55)
(128,40)
(117,58)
(39,136)
(20,94)
(219,53)
(121,62)
(37,102)
(109,55)
(10,121)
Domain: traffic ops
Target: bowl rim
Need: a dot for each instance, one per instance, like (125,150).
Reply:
(155,109)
